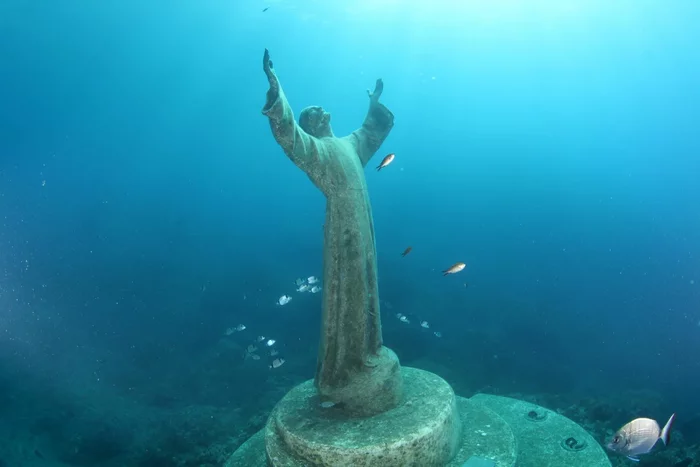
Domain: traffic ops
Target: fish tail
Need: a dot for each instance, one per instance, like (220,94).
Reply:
(379,167)
(666,432)
(444,273)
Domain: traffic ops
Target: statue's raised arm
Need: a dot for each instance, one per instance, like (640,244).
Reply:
(376,127)
(299,146)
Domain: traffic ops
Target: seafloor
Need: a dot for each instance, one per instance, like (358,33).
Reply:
(209,406)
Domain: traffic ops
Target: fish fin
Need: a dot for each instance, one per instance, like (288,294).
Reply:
(666,432)
(633,458)
(444,273)
(656,445)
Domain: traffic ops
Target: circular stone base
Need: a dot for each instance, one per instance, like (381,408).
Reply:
(485,435)
(482,432)
(423,430)
(545,438)
(251,453)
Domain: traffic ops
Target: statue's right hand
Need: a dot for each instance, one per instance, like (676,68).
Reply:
(267,67)
(267,63)
(274,91)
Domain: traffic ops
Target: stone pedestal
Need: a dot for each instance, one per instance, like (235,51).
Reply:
(424,430)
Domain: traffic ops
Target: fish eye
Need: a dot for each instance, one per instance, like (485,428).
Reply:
(616,439)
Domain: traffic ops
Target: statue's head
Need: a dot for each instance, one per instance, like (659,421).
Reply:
(316,122)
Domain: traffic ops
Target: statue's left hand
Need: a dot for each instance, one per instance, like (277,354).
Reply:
(377,93)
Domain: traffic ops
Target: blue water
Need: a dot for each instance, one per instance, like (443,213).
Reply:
(145,208)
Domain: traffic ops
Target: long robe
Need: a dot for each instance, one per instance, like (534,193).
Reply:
(351,326)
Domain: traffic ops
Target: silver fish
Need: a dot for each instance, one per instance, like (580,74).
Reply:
(276,363)
(240,327)
(454,269)
(284,299)
(640,436)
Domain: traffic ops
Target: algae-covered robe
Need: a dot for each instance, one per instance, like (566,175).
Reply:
(351,331)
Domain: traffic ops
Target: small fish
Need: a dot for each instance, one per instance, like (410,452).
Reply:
(640,436)
(386,161)
(403,319)
(312,279)
(278,362)
(239,328)
(284,299)
(399,315)
(273,352)
(454,269)
(265,9)
(315,289)
(327,404)
(303,288)
(424,324)
(407,251)
(252,348)
(270,342)
(299,282)
(260,338)
(466,285)
(255,356)
(437,334)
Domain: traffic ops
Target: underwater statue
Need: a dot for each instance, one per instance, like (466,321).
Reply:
(354,371)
